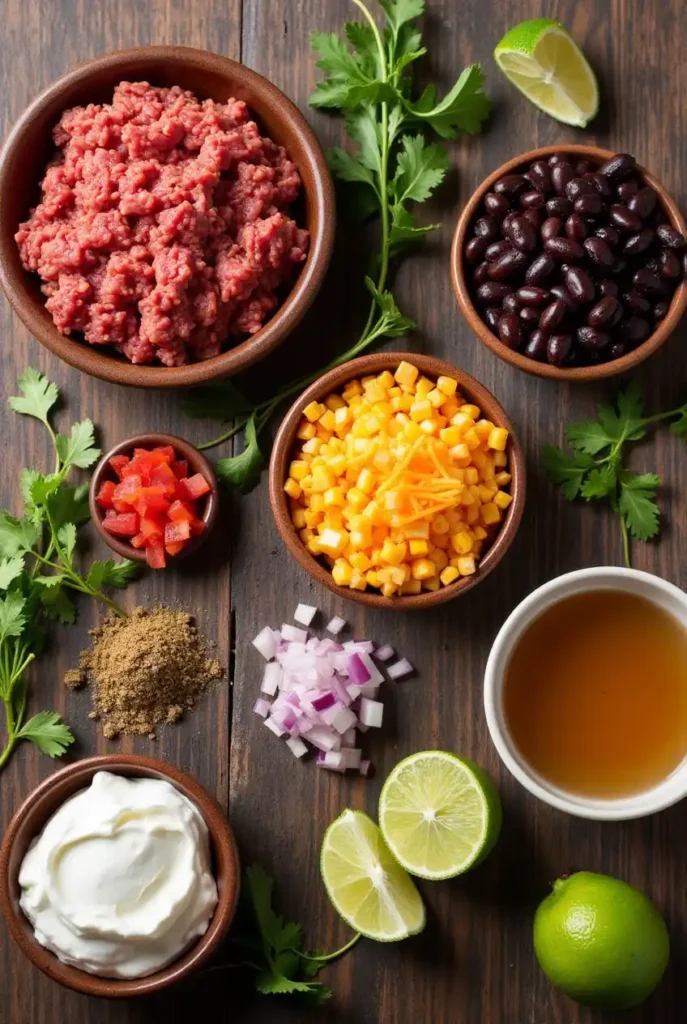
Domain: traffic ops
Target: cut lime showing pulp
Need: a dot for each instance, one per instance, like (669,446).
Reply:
(439,814)
(545,63)
(367,886)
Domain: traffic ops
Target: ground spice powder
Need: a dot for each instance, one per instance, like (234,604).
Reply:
(147,668)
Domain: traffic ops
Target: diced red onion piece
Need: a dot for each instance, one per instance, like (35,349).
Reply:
(369,690)
(271,678)
(333,761)
(365,767)
(375,675)
(265,643)
(371,712)
(296,746)
(344,720)
(351,757)
(349,738)
(324,738)
(335,625)
(304,614)
(262,708)
(384,653)
(399,669)
(274,727)
(358,671)
(324,701)
(329,714)
(293,634)
(353,691)
(341,691)
(359,646)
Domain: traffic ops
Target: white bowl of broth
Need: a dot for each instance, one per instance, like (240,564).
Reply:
(585,693)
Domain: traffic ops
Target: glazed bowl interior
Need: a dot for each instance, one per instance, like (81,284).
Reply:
(286,440)
(42,804)
(30,147)
(463,290)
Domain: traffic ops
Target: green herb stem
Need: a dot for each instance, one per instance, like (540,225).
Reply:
(328,957)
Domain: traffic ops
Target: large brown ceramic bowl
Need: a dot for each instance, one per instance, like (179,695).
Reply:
(335,380)
(42,804)
(478,326)
(30,147)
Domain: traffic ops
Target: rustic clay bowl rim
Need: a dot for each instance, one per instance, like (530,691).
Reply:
(32,816)
(196,461)
(285,443)
(477,325)
(294,133)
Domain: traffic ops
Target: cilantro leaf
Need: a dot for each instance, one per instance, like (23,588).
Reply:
(78,449)
(348,168)
(68,505)
(590,437)
(272,984)
(464,108)
(243,470)
(599,483)
(38,397)
(348,83)
(28,478)
(568,471)
(16,534)
(54,600)
(637,504)
(363,129)
(679,426)
(362,39)
(260,887)
(66,535)
(220,400)
(10,570)
(420,168)
(12,618)
(111,573)
(392,323)
(405,231)
(400,11)
(47,731)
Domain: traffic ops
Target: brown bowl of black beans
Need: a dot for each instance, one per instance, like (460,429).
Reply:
(571,263)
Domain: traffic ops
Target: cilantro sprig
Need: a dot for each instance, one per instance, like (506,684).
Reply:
(391,169)
(595,469)
(38,571)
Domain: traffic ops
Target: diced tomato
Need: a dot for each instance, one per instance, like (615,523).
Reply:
(180,469)
(167,452)
(176,532)
(152,526)
(197,527)
(110,513)
(150,499)
(162,476)
(139,541)
(194,487)
(124,525)
(118,462)
(181,512)
(175,549)
(104,495)
(123,494)
(155,553)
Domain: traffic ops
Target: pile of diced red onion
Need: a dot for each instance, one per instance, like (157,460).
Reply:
(325,692)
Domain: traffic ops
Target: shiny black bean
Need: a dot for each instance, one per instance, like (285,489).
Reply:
(600,183)
(496,250)
(508,265)
(540,176)
(536,346)
(636,303)
(660,309)
(608,287)
(620,166)
(615,350)
(507,220)
(564,250)
(577,187)
(608,234)
(511,185)
(643,203)
(509,330)
(599,252)
(575,227)
(627,189)
(540,269)
(492,292)
(619,266)
(497,206)
(531,296)
(474,250)
(529,317)
(604,312)
(552,316)
(557,348)
(624,219)
(649,284)
(561,174)
(591,339)
(492,315)
(535,217)
(558,158)
(670,265)
(671,237)
(559,207)
(532,200)
(481,275)
(589,205)
(522,234)
(562,293)
(580,285)
(638,244)
(633,330)
(583,167)
(511,303)
(487,227)
(551,228)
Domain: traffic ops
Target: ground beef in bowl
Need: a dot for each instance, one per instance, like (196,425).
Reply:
(163,228)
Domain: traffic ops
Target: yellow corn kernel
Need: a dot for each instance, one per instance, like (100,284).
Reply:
(485,493)
(479,533)
(394,391)
(406,374)
(333,542)
(447,385)
(358,581)
(334,496)
(313,446)
(439,525)
(313,411)
(412,431)
(366,481)
(357,498)
(428,426)
(415,531)
(436,398)
(462,542)
(293,488)
(460,455)
(420,410)
(317,502)
(359,539)
(449,408)
(334,517)
(423,387)
(472,513)
(418,548)
(337,464)
(450,436)
(440,558)
(322,479)
(299,469)
(372,578)
(393,554)
(432,584)
(466,565)
(502,499)
(327,420)
(342,417)
(360,561)
(462,422)
(306,431)
(423,569)
(411,587)
(500,459)
(352,390)
(313,546)
(298,518)
(379,535)
(472,439)
(502,479)
(484,428)
(471,475)
(312,518)
(448,575)
(473,411)
(487,471)
(498,438)
(341,571)
(490,513)
(441,540)
(334,402)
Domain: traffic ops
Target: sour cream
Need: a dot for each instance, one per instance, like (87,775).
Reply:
(119,882)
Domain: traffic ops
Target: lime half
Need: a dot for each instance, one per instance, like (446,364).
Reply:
(439,814)
(545,63)
(367,886)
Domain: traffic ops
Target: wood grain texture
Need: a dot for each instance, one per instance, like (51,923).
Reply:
(474,964)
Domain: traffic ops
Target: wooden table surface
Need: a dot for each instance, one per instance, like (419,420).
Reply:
(474,963)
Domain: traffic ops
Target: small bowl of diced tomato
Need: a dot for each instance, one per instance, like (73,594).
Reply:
(154,497)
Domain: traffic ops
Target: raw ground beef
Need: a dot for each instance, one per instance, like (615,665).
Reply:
(163,227)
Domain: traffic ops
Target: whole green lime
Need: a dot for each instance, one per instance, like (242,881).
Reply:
(601,941)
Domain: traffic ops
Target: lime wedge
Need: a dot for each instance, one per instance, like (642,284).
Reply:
(364,882)
(545,63)
(439,814)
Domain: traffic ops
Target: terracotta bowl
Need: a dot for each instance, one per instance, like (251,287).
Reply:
(29,148)
(197,463)
(32,816)
(285,442)
(478,326)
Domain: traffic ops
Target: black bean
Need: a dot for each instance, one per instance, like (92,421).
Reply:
(529,317)
(564,250)
(599,252)
(608,234)
(540,269)
(624,219)
(608,287)
(507,265)
(604,312)
(633,330)
(531,296)
(491,315)
(589,205)
(561,174)
(474,250)
(481,275)
(618,167)
(579,284)
(615,350)
(648,283)
(671,237)
(558,158)
(511,303)
(643,203)
(535,217)
(559,207)
(660,309)
(636,303)
(551,227)
(509,330)
(522,234)
(552,316)
(487,227)
(507,221)
(557,348)
(540,176)
(627,189)
(496,250)
(590,338)
(600,183)
(583,167)
(497,206)
(639,243)
(532,201)
(670,265)
(577,187)
(536,346)
(619,266)
(562,293)
(492,292)
(511,185)
(575,227)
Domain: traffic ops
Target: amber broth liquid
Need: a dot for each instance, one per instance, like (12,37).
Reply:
(595,694)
